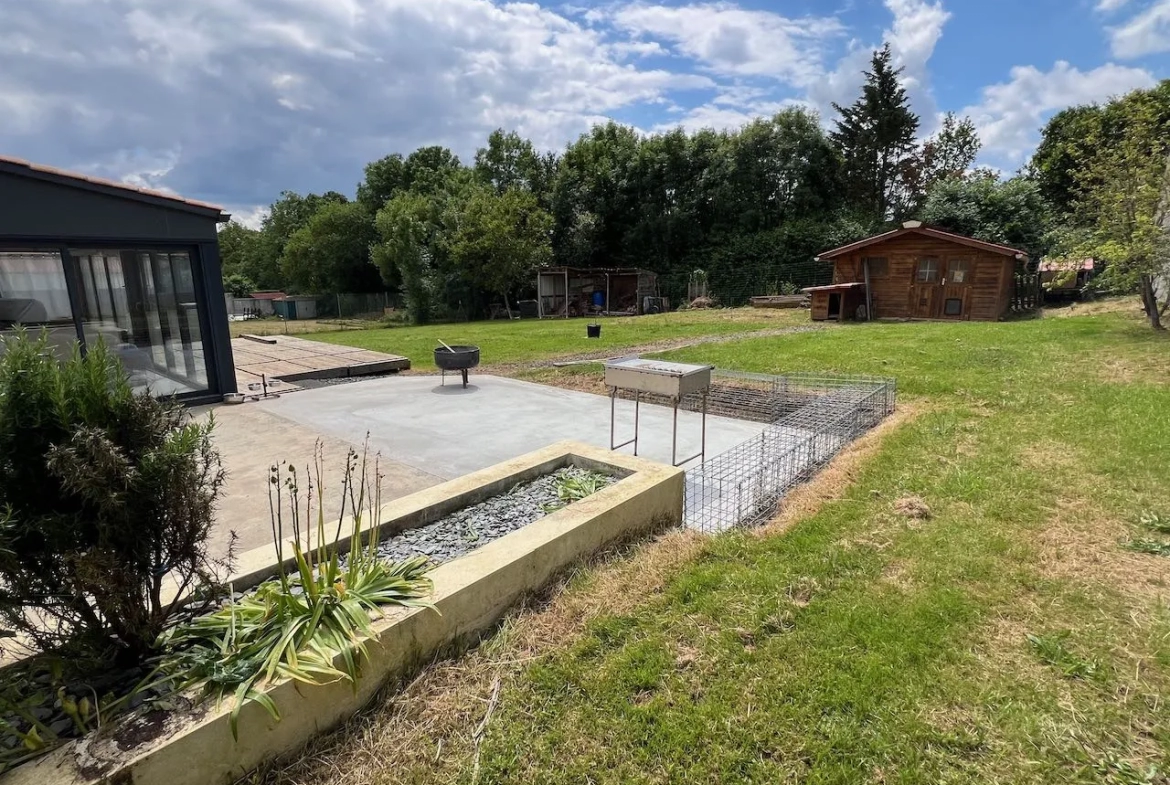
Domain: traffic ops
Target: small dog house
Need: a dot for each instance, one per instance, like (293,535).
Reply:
(917,272)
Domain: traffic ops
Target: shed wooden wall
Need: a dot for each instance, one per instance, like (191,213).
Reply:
(986,297)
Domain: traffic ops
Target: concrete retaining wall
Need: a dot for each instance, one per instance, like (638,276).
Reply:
(471,594)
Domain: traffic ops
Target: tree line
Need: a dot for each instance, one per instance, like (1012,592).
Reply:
(752,205)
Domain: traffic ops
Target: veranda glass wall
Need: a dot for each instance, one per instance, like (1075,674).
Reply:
(140,302)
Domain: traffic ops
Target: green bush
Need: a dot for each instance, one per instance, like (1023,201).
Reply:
(106,494)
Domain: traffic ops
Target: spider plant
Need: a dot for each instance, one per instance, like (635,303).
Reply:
(308,625)
(575,487)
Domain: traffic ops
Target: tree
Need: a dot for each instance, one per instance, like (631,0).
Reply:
(411,242)
(384,179)
(509,161)
(875,137)
(1127,208)
(1063,149)
(501,239)
(241,257)
(1011,212)
(331,253)
(429,170)
(948,155)
(238,285)
(287,215)
(595,195)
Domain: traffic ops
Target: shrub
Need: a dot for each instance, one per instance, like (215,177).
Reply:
(296,626)
(106,494)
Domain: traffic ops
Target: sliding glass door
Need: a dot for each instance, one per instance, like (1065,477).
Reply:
(142,303)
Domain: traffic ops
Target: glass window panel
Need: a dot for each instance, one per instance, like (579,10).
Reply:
(958,271)
(34,294)
(953,306)
(148,315)
(879,266)
(928,270)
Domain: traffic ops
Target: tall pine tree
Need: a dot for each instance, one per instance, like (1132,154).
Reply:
(875,136)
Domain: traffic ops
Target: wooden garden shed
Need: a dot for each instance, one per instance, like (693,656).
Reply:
(917,272)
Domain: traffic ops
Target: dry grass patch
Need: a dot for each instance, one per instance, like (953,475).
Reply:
(913,507)
(1129,306)
(1083,543)
(1054,457)
(897,574)
(832,482)
(1130,368)
(425,731)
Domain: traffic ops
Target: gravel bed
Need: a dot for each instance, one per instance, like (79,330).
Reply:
(465,530)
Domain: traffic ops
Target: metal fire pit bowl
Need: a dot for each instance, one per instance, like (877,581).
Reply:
(456,358)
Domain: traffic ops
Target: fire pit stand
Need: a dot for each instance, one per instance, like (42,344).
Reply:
(670,380)
(456,358)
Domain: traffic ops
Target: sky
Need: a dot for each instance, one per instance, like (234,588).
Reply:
(234,101)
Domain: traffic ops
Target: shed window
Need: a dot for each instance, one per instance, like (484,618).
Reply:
(953,307)
(959,271)
(928,269)
(879,267)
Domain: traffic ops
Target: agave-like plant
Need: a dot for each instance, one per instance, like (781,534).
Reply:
(309,625)
(574,488)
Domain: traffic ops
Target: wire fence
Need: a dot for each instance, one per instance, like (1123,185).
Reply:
(297,313)
(736,287)
(810,419)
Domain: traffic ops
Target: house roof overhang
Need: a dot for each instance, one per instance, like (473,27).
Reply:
(19,166)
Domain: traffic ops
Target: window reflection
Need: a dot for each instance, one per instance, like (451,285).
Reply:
(142,304)
(34,295)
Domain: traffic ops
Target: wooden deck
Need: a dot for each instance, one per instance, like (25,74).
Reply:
(292,359)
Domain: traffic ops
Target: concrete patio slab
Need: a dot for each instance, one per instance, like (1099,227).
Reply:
(447,431)
(251,439)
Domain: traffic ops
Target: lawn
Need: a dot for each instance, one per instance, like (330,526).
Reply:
(1011,635)
(505,342)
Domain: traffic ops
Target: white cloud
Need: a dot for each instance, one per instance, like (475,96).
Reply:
(251,216)
(731,40)
(1010,115)
(915,29)
(1145,34)
(1108,6)
(234,102)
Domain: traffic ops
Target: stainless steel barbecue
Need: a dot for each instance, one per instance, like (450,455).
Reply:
(669,380)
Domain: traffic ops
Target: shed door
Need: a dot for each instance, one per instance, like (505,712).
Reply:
(955,295)
(924,289)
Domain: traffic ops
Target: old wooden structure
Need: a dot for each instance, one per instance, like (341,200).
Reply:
(918,272)
(574,291)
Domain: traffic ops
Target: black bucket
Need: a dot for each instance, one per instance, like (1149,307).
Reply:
(593,330)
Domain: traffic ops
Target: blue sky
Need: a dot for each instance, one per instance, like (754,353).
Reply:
(232,101)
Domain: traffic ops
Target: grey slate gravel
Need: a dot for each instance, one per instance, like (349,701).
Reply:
(465,530)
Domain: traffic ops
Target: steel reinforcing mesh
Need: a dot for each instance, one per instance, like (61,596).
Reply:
(809,419)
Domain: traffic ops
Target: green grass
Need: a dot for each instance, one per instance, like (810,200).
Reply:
(953,650)
(519,341)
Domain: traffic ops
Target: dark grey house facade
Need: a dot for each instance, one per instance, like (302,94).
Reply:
(85,259)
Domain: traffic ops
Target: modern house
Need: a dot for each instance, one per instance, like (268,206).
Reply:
(86,259)
(918,272)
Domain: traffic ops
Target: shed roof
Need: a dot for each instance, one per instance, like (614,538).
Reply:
(1065,265)
(20,166)
(836,287)
(595,271)
(916,227)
